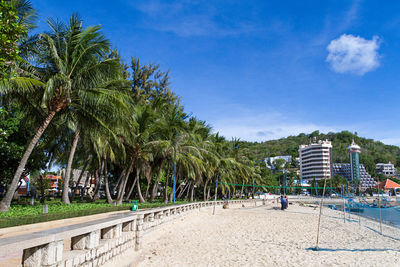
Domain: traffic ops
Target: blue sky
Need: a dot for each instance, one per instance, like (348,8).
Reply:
(261,70)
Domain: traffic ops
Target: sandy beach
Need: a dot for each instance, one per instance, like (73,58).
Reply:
(263,236)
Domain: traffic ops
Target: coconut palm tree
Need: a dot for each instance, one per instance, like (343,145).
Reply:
(138,145)
(66,61)
(97,110)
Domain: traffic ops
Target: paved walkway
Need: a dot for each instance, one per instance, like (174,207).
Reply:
(14,259)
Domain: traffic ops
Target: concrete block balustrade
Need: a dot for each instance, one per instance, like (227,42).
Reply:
(96,242)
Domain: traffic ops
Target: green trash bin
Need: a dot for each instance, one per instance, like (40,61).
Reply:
(134,206)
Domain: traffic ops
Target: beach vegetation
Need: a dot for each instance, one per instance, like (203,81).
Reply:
(120,124)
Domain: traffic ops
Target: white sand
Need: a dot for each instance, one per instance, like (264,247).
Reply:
(261,236)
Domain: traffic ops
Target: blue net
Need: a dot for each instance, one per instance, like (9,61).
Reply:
(380,209)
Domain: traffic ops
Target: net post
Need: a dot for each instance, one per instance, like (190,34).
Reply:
(320,213)
(380,213)
(344,205)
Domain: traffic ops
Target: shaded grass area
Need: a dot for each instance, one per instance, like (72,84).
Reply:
(21,214)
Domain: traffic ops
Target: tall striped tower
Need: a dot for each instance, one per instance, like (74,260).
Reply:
(354,151)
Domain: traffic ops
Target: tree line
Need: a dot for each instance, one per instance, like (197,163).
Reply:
(372,152)
(67,98)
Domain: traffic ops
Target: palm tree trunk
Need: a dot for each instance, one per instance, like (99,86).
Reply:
(208,193)
(128,196)
(130,191)
(141,199)
(42,189)
(147,188)
(65,198)
(133,184)
(19,185)
(79,179)
(205,191)
(6,201)
(122,185)
(119,180)
(155,186)
(166,185)
(171,195)
(183,190)
(188,190)
(192,192)
(84,189)
(108,195)
(97,188)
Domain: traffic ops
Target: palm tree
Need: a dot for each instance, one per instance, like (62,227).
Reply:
(138,144)
(150,96)
(27,15)
(67,62)
(97,110)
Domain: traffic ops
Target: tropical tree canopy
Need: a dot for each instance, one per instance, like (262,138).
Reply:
(123,126)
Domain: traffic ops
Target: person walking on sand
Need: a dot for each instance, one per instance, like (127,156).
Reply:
(283,202)
(286,201)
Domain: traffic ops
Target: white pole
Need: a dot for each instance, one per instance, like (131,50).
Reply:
(344,206)
(359,206)
(380,214)
(320,213)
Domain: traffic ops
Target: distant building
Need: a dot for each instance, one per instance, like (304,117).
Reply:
(345,170)
(75,174)
(388,186)
(315,160)
(75,177)
(354,152)
(54,182)
(354,170)
(22,187)
(386,169)
(270,161)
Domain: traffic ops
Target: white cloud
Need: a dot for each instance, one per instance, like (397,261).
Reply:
(274,125)
(353,54)
(263,127)
(188,18)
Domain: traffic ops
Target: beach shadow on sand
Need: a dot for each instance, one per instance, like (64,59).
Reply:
(353,250)
(378,232)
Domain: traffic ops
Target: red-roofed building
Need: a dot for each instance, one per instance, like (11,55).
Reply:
(54,182)
(388,185)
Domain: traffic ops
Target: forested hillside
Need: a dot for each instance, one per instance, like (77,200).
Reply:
(372,151)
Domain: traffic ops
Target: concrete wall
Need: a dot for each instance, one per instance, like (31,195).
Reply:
(97,242)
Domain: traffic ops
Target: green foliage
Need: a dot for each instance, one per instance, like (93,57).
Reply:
(10,32)
(26,214)
(372,152)
(13,138)
(42,185)
(279,164)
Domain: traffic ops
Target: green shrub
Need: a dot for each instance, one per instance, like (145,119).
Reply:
(26,214)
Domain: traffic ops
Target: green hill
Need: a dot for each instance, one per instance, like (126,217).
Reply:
(372,151)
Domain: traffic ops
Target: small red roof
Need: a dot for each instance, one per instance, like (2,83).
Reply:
(388,184)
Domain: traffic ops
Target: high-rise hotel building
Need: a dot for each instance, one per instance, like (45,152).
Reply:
(316,160)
